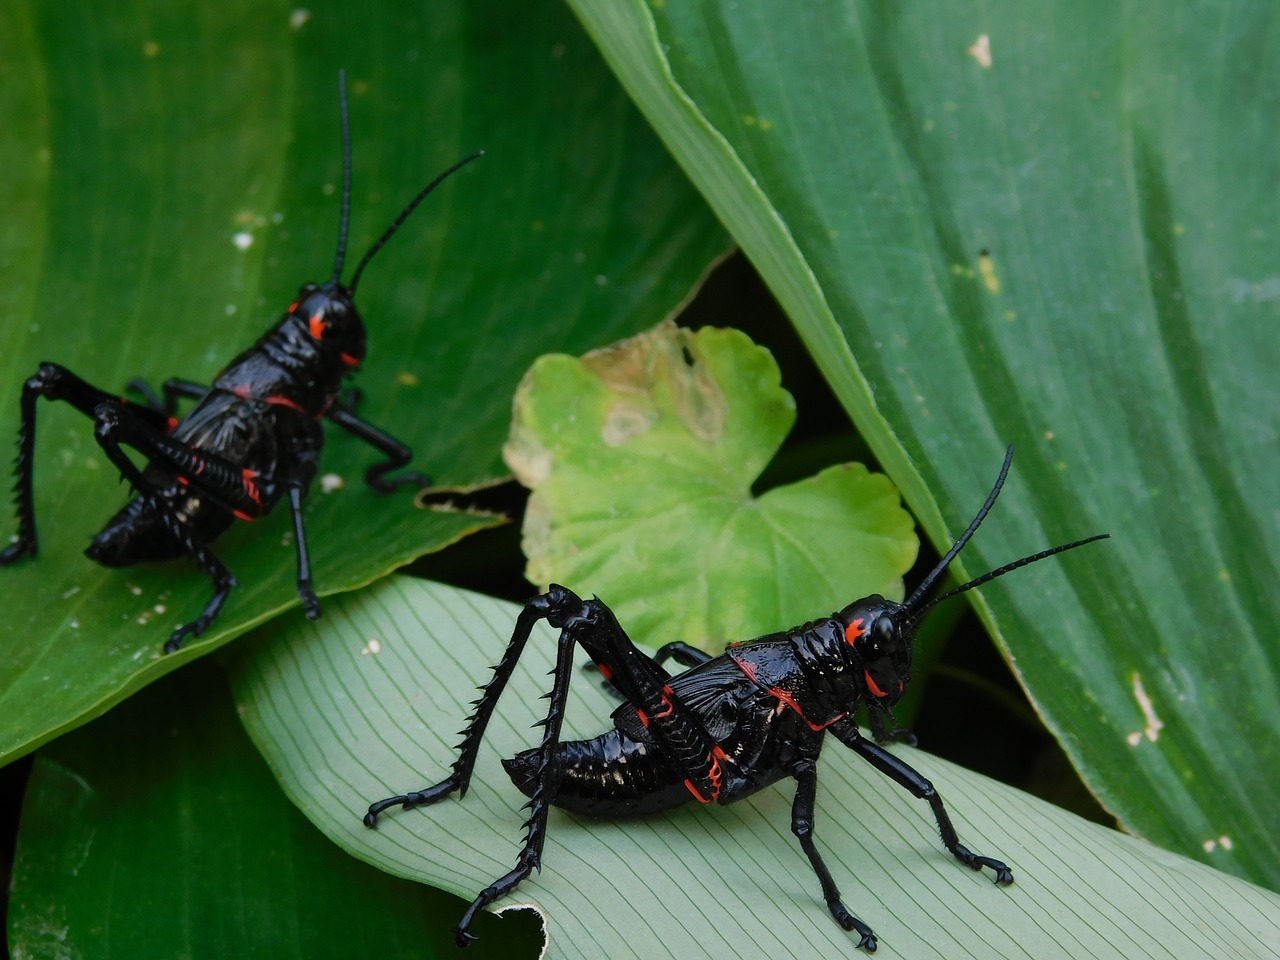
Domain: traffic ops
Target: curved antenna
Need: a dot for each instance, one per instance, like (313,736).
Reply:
(345,219)
(945,562)
(404,215)
(1001,571)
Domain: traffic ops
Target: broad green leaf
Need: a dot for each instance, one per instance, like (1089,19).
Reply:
(158,832)
(1051,224)
(641,458)
(170,179)
(365,704)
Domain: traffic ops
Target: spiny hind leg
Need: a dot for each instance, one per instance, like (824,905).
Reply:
(52,382)
(539,608)
(113,421)
(561,608)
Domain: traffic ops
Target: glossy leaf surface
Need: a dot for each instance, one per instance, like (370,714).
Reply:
(1053,225)
(171,177)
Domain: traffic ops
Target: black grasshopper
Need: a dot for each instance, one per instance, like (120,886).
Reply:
(721,730)
(253,438)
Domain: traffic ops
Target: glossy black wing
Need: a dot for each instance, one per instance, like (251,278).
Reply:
(234,428)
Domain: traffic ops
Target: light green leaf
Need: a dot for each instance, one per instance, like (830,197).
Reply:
(364,705)
(171,177)
(1051,224)
(641,458)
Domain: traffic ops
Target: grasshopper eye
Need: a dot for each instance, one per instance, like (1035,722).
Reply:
(884,635)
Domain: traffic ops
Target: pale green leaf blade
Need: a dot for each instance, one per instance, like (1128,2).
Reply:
(365,705)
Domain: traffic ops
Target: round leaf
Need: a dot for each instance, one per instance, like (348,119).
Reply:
(641,458)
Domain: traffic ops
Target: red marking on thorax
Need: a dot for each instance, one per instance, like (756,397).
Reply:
(786,698)
(855,630)
(317,325)
(747,667)
(350,361)
(285,402)
(790,701)
(872,685)
(782,696)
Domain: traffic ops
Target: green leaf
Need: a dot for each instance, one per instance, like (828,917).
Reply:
(641,458)
(364,705)
(172,177)
(1070,245)
(159,832)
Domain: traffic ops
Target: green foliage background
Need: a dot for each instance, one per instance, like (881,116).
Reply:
(1070,246)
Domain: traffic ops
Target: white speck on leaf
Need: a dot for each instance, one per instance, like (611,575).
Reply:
(987,268)
(1154,723)
(981,51)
